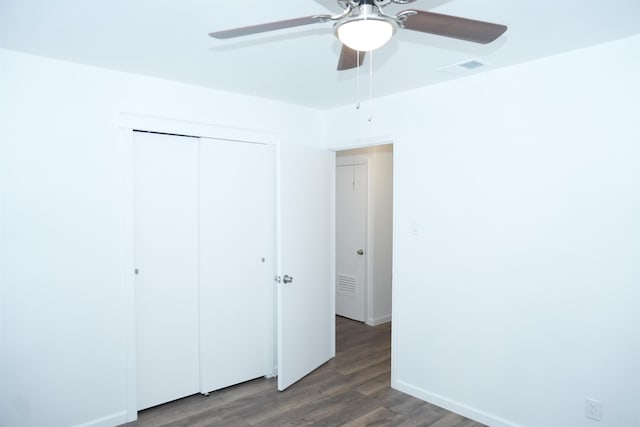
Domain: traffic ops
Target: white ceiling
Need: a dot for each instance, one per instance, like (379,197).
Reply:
(168,39)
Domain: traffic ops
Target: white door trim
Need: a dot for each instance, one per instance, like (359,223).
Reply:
(127,122)
(188,128)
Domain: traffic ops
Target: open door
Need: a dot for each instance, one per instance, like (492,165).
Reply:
(305,312)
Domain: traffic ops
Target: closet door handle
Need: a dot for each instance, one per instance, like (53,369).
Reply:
(287,279)
(360,252)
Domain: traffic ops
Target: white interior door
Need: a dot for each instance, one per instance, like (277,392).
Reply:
(166,243)
(305,315)
(237,265)
(351,233)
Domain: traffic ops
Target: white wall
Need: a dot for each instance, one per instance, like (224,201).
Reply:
(61,296)
(382,161)
(380,234)
(518,296)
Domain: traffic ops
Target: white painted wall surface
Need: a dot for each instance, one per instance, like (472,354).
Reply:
(382,162)
(518,296)
(381,230)
(61,297)
(517,299)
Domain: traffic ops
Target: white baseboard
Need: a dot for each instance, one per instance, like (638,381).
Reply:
(273,373)
(107,421)
(379,320)
(453,406)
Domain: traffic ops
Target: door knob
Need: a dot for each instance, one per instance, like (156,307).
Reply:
(360,252)
(287,279)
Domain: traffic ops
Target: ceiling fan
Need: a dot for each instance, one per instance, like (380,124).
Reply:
(363,26)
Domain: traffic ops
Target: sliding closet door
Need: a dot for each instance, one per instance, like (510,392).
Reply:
(166,244)
(237,219)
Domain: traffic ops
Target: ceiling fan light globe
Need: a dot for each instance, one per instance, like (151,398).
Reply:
(366,34)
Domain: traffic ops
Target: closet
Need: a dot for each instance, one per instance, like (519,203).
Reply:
(204,231)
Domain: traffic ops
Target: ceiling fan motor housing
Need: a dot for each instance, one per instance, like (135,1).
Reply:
(344,4)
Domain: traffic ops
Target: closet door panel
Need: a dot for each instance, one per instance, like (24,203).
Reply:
(236,257)
(166,236)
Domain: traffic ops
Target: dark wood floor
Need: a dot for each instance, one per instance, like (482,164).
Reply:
(350,390)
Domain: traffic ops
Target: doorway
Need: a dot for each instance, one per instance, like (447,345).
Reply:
(364,233)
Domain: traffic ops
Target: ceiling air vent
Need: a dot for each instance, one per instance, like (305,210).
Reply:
(464,67)
(471,65)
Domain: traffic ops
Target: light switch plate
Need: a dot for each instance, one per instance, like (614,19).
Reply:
(593,409)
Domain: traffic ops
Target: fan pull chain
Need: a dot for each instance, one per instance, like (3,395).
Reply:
(358,80)
(370,86)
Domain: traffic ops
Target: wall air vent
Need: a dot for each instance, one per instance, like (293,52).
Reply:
(346,284)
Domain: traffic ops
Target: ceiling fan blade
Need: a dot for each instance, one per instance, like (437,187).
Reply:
(270,26)
(454,27)
(349,58)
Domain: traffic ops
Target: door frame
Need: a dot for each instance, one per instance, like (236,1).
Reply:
(396,316)
(127,123)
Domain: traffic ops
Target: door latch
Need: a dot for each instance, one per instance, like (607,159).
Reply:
(285,279)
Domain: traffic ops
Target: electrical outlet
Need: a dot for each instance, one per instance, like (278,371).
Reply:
(593,409)
(415,228)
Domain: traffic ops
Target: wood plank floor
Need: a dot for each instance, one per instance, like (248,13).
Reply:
(351,390)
